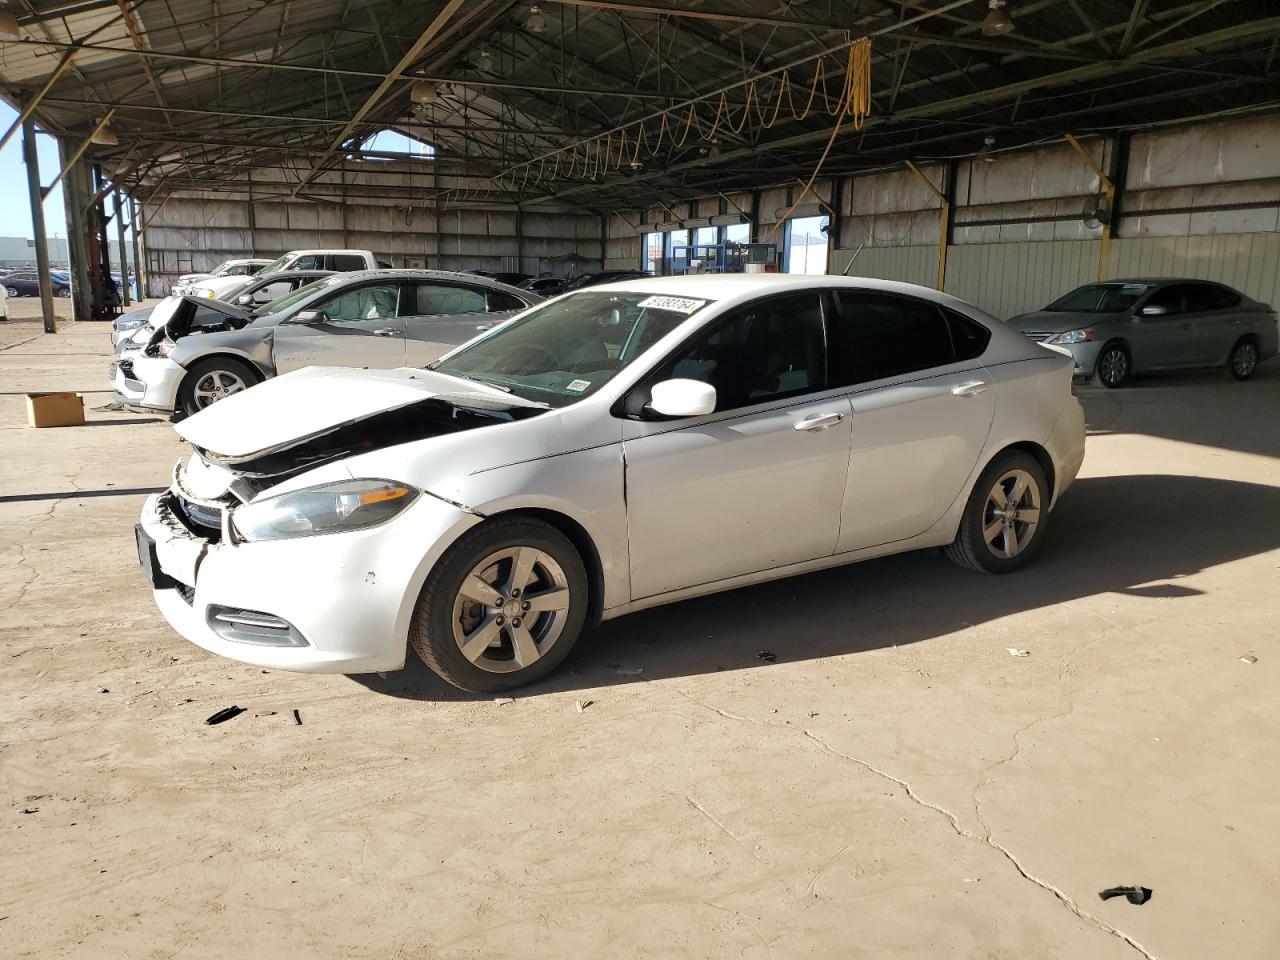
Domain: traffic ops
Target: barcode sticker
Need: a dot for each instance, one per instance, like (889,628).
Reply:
(675,304)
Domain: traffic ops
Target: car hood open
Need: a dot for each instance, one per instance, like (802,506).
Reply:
(297,407)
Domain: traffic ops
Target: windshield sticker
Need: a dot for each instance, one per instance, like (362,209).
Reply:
(676,304)
(577,386)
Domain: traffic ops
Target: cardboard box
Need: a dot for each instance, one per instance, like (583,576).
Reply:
(55,409)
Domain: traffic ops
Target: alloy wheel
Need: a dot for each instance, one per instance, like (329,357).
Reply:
(1243,359)
(12,291)
(215,385)
(1011,513)
(1113,366)
(511,609)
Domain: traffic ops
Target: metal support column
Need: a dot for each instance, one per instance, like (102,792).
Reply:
(519,239)
(32,160)
(1109,188)
(126,295)
(137,248)
(944,224)
(77,247)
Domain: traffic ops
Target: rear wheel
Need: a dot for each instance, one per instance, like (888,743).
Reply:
(1113,367)
(503,607)
(1004,521)
(211,380)
(62,292)
(12,291)
(1243,360)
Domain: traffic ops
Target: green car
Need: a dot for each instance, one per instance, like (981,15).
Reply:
(1117,328)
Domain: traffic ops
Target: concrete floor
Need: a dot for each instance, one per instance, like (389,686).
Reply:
(897,784)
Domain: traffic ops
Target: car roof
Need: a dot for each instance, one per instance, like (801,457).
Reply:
(407,273)
(722,286)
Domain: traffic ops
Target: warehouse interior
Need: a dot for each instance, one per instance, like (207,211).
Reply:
(890,759)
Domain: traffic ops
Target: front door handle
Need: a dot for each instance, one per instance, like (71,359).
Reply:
(1234,323)
(970,389)
(386,332)
(819,421)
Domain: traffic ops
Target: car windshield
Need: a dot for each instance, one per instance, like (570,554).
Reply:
(221,269)
(568,349)
(275,265)
(1100,298)
(289,300)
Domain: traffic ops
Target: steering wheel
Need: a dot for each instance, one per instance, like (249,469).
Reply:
(541,352)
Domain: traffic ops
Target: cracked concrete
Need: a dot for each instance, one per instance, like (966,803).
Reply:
(895,785)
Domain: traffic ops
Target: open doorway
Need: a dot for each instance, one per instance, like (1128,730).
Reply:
(806,245)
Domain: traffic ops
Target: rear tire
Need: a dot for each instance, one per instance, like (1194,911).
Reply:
(213,379)
(474,625)
(1243,360)
(996,537)
(11,291)
(1114,366)
(62,292)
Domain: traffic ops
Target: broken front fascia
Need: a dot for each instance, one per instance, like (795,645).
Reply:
(215,317)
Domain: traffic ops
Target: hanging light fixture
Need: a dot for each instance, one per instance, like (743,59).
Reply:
(424,91)
(537,20)
(987,154)
(997,22)
(484,61)
(105,137)
(9,28)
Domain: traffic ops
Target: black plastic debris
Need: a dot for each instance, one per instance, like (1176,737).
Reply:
(1135,895)
(767,656)
(224,715)
(297,718)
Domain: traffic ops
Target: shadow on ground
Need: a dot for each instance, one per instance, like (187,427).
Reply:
(1134,535)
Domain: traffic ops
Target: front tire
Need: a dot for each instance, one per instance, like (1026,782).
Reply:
(503,607)
(1113,367)
(1243,360)
(1004,522)
(11,291)
(62,292)
(212,380)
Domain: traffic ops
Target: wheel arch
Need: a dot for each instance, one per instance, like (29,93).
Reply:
(190,365)
(1114,341)
(582,542)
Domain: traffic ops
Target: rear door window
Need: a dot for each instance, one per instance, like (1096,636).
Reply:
(445,299)
(877,335)
(500,301)
(1210,296)
(346,262)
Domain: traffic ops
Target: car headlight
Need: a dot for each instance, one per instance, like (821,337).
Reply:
(329,508)
(141,335)
(1073,336)
(123,324)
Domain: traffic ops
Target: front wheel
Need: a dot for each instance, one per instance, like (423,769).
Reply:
(1243,360)
(503,607)
(1004,521)
(62,292)
(11,291)
(212,380)
(1113,367)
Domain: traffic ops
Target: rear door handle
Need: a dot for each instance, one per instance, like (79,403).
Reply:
(386,332)
(819,421)
(969,389)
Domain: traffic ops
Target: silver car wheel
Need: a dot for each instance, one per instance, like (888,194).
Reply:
(215,385)
(1011,513)
(511,609)
(1113,366)
(1243,359)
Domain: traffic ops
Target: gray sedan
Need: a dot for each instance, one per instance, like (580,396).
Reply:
(377,319)
(1121,327)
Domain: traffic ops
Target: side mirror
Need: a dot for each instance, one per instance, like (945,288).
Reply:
(245,299)
(309,316)
(1154,310)
(683,398)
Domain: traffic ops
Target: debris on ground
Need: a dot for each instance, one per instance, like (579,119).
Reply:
(503,701)
(630,671)
(1015,652)
(104,690)
(297,718)
(1135,895)
(1248,659)
(582,704)
(30,809)
(768,656)
(224,715)
(266,713)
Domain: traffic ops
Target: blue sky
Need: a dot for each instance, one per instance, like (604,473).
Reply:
(15,208)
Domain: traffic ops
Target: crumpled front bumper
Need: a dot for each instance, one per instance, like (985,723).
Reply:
(349,596)
(148,382)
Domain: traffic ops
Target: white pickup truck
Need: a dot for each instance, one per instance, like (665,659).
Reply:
(339,261)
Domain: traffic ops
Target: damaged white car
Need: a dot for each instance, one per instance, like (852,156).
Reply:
(611,450)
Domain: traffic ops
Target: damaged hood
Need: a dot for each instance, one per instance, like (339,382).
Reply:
(291,409)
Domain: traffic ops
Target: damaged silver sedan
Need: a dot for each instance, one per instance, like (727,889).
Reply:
(377,319)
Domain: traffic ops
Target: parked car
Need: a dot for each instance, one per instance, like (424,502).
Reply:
(604,276)
(1117,328)
(4,303)
(259,289)
(208,349)
(507,277)
(545,286)
(614,449)
(127,325)
(244,267)
(26,283)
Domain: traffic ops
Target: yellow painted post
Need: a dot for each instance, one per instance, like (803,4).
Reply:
(943,225)
(1109,189)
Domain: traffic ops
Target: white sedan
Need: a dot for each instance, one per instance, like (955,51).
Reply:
(614,449)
